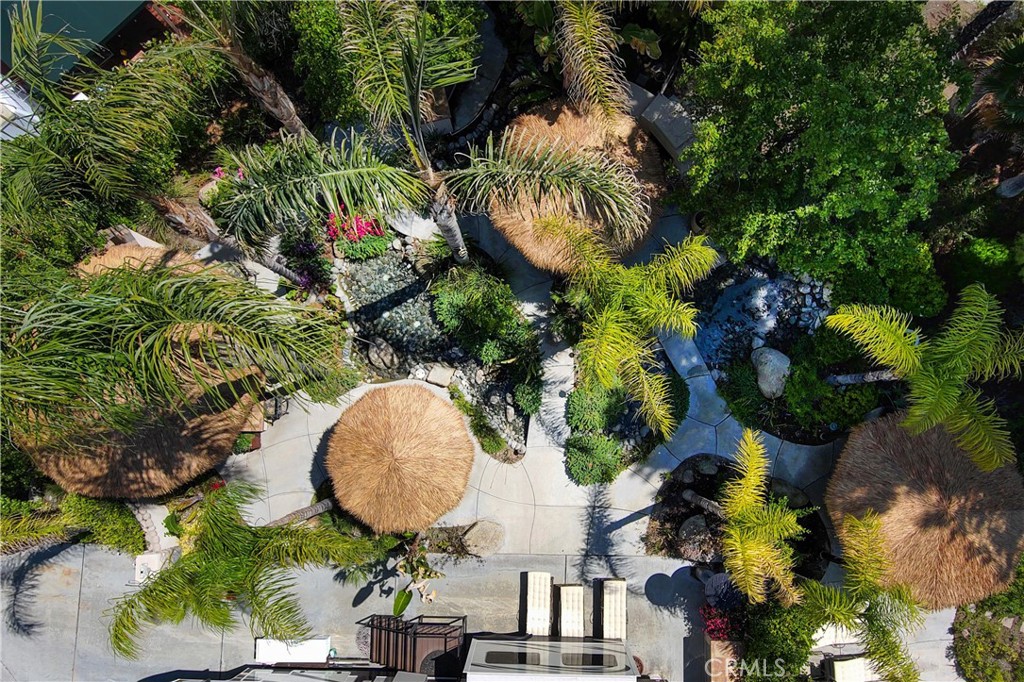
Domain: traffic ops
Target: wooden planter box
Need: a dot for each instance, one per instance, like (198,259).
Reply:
(722,659)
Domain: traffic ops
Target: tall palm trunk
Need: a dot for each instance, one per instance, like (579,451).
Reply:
(304,514)
(195,221)
(442,212)
(263,85)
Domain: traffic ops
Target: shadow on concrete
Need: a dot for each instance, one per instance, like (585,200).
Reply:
(318,472)
(598,558)
(674,592)
(379,579)
(20,582)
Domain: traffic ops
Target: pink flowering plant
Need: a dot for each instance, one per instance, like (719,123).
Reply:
(358,237)
(721,625)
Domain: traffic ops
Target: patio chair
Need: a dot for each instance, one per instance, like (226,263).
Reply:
(538,603)
(570,611)
(613,609)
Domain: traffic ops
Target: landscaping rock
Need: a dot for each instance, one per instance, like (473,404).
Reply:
(484,538)
(707,467)
(688,477)
(1008,189)
(796,498)
(381,354)
(510,413)
(440,375)
(479,377)
(772,371)
(692,528)
(756,342)
(396,244)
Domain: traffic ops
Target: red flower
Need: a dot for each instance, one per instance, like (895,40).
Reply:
(217,485)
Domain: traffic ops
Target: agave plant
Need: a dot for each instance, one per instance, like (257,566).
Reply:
(973,347)
(229,568)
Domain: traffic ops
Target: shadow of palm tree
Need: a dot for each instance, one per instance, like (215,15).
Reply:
(19,578)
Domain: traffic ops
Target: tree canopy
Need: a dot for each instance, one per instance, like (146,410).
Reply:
(820,138)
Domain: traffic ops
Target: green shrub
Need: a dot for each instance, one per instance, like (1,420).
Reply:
(369,246)
(679,396)
(592,458)
(1018,254)
(774,632)
(813,402)
(490,440)
(243,443)
(327,81)
(19,477)
(984,650)
(741,394)
(528,396)
(457,18)
(591,407)
(110,523)
(483,314)
(173,525)
(987,261)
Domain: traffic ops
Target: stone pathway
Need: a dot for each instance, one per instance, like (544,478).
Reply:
(472,100)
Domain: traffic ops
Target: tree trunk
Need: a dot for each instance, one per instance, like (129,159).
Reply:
(304,514)
(861,378)
(263,85)
(442,212)
(704,503)
(195,221)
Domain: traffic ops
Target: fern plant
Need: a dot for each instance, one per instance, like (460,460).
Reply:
(973,347)
(757,530)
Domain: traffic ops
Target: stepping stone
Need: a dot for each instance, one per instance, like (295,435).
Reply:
(705,403)
(684,355)
(639,100)
(729,433)
(801,465)
(691,438)
(440,375)
(669,123)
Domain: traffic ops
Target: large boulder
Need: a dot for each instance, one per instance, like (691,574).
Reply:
(772,371)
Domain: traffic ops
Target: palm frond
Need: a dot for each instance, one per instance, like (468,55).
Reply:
(882,632)
(971,335)
(608,341)
(981,432)
(933,397)
(836,605)
(745,558)
(749,489)
(655,310)
(651,390)
(590,65)
(680,266)
(883,333)
(864,555)
(300,177)
(1006,359)
(587,181)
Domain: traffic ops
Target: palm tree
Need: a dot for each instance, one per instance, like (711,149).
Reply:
(99,149)
(1001,106)
(592,71)
(228,567)
(879,615)
(397,67)
(973,347)
(219,25)
(102,352)
(623,308)
(758,529)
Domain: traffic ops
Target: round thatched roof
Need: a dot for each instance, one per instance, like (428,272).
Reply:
(620,139)
(399,458)
(120,255)
(156,459)
(953,532)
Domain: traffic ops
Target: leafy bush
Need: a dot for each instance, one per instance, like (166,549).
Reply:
(528,397)
(679,395)
(457,18)
(302,247)
(741,394)
(483,314)
(110,523)
(985,651)
(489,438)
(172,522)
(813,402)
(592,458)
(591,407)
(774,632)
(327,80)
(369,246)
(19,477)
(243,443)
(987,261)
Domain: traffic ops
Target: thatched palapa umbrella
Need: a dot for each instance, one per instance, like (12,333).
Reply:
(399,458)
(620,139)
(953,533)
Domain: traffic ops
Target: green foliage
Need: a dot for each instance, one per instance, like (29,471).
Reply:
(1009,602)
(987,261)
(459,19)
(528,397)
(813,402)
(110,523)
(402,600)
(19,477)
(679,396)
(370,246)
(592,458)
(243,443)
(769,167)
(483,314)
(327,77)
(594,408)
(972,347)
(172,522)
(985,651)
(741,393)
(489,438)
(230,568)
(644,40)
(1018,254)
(776,632)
